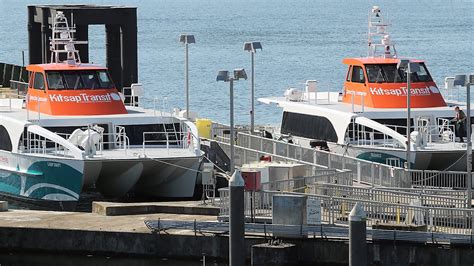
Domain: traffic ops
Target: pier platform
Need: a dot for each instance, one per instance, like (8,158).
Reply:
(127,235)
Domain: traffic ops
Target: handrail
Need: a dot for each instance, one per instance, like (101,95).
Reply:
(335,209)
(367,172)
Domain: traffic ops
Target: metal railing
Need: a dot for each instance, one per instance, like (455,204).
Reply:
(248,147)
(113,140)
(37,144)
(388,195)
(308,231)
(335,211)
(340,184)
(119,139)
(303,184)
(21,88)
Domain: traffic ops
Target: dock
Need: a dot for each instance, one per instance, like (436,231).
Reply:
(104,232)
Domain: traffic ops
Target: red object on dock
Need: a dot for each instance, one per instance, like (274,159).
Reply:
(252,180)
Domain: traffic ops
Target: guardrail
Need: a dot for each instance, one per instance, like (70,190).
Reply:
(368,172)
(303,184)
(387,195)
(335,211)
(309,231)
(339,184)
(21,88)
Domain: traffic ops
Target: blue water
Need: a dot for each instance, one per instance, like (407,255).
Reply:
(302,39)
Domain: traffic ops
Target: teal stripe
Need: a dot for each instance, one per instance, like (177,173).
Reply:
(54,173)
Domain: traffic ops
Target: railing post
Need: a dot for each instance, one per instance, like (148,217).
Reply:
(331,214)
(329,160)
(315,157)
(372,173)
(244,156)
(380,174)
(359,172)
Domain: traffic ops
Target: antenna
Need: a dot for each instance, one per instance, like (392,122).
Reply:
(379,37)
(62,41)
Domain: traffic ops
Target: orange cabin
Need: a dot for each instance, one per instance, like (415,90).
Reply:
(62,89)
(379,84)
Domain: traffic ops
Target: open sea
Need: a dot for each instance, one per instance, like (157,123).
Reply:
(302,39)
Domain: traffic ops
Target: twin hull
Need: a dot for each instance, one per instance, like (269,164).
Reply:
(56,183)
(151,177)
(448,160)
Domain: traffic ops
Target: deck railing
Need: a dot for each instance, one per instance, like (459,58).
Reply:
(249,147)
(335,211)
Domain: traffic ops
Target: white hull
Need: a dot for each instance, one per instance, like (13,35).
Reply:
(449,160)
(161,177)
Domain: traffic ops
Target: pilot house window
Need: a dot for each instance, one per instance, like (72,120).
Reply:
(39,81)
(357,74)
(74,80)
(388,73)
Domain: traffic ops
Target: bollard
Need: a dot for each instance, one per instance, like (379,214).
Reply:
(236,221)
(357,237)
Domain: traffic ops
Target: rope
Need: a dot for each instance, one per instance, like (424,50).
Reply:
(224,174)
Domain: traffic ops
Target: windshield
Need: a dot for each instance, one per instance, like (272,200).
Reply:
(388,73)
(78,80)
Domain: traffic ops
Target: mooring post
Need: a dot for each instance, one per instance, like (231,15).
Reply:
(357,237)
(236,221)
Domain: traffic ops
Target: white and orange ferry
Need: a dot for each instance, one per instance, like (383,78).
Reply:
(72,130)
(368,119)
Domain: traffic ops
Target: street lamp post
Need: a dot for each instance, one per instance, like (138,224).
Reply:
(467,81)
(223,75)
(236,184)
(186,39)
(409,67)
(252,48)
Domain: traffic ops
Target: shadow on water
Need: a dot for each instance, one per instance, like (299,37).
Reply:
(40,259)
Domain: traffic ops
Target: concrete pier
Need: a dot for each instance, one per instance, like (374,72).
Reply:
(274,255)
(127,235)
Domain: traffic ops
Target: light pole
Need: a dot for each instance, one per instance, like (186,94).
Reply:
(236,184)
(186,39)
(223,75)
(467,81)
(252,48)
(409,67)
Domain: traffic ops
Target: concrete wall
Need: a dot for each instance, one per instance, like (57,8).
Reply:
(310,251)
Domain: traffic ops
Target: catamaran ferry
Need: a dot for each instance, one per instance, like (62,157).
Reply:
(368,119)
(72,130)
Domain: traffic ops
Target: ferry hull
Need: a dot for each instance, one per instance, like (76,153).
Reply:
(41,181)
(421,160)
(174,178)
(448,160)
(148,177)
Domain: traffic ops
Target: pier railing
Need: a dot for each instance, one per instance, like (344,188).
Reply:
(335,210)
(249,148)
(332,184)
(321,231)
(303,184)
